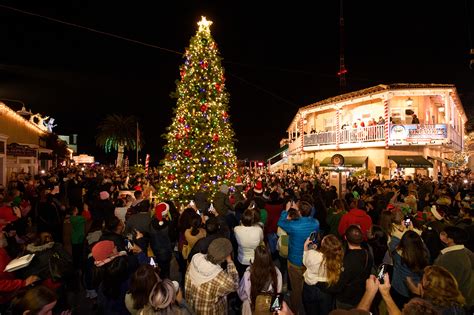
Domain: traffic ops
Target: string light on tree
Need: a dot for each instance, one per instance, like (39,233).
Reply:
(200,153)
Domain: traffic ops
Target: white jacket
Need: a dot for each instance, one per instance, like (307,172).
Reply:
(248,238)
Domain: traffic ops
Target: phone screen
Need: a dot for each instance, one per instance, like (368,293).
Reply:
(380,273)
(276,303)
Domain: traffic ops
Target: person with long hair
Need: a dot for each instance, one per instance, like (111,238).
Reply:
(193,234)
(261,277)
(141,284)
(323,269)
(439,287)
(34,301)
(410,256)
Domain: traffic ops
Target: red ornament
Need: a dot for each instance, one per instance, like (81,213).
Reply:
(182,73)
(178,136)
(181,120)
(187,153)
(204,64)
(171,177)
(225,115)
(218,87)
(203,108)
(215,138)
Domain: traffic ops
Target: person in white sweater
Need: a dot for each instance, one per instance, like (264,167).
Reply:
(323,268)
(248,235)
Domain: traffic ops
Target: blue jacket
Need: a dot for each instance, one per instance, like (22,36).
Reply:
(298,231)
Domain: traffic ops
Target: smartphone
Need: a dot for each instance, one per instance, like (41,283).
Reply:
(314,238)
(277,303)
(381,271)
(128,244)
(407,221)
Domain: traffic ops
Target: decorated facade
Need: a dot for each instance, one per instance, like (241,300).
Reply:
(22,144)
(386,129)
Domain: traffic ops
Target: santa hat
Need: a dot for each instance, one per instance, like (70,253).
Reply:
(104,195)
(161,209)
(238,181)
(258,188)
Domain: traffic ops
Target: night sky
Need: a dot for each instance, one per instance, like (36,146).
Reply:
(277,57)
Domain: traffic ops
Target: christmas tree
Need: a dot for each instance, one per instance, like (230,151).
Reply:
(200,153)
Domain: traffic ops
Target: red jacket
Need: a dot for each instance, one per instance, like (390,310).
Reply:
(273,215)
(355,217)
(8,283)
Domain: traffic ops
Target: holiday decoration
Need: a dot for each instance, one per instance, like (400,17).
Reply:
(200,153)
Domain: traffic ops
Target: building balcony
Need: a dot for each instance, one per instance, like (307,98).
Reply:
(374,136)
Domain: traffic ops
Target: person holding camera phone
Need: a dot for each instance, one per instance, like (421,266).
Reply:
(323,268)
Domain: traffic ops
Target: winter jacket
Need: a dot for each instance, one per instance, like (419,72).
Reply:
(248,238)
(8,282)
(160,242)
(298,231)
(140,221)
(273,214)
(355,217)
(118,239)
(39,266)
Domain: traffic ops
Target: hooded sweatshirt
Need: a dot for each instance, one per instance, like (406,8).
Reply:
(201,270)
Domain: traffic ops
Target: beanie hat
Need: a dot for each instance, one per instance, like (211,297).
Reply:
(258,187)
(104,252)
(104,195)
(161,209)
(238,181)
(218,250)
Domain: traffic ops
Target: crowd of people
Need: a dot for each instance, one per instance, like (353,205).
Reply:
(284,242)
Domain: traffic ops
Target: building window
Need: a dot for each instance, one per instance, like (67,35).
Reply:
(2,147)
(329,124)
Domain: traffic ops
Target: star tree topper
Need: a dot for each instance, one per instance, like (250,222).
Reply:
(204,24)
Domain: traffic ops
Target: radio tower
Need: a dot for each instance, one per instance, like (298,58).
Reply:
(342,68)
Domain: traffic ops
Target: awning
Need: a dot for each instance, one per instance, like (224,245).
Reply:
(349,161)
(445,161)
(413,161)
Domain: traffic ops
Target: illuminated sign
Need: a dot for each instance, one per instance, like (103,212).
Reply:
(414,133)
(83,159)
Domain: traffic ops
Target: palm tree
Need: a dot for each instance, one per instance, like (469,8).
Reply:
(118,133)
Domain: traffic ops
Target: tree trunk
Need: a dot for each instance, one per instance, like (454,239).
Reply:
(120,156)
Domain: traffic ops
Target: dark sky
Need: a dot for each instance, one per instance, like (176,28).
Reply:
(277,57)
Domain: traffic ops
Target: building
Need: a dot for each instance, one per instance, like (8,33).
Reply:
(388,129)
(22,145)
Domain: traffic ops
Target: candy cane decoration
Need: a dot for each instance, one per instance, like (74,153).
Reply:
(301,132)
(385,111)
(147,163)
(338,129)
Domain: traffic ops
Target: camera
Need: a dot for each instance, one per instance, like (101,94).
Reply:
(277,302)
(407,221)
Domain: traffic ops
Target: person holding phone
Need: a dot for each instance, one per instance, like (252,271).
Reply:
(323,268)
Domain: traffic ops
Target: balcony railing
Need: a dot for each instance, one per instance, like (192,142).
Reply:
(347,135)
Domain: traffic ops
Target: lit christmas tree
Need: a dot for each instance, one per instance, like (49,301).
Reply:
(200,153)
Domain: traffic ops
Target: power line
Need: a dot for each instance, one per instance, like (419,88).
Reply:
(92,30)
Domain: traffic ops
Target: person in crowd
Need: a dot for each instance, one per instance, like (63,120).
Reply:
(248,235)
(323,269)
(298,231)
(160,241)
(166,298)
(208,281)
(458,260)
(377,241)
(410,256)
(274,207)
(49,216)
(38,300)
(141,284)
(113,268)
(212,232)
(356,267)
(355,216)
(112,231)
(140,220)
(335,214)
(415,119)
(222,201)
(193,234)
(121,209)
(262,277)
(78,230)
(439,287)
(103,208)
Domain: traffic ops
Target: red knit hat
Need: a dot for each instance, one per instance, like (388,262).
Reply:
(161,209)
(104,252)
